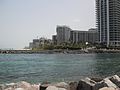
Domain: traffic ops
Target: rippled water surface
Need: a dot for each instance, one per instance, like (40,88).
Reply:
(36,68)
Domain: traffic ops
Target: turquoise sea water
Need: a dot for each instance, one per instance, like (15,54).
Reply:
(36,68)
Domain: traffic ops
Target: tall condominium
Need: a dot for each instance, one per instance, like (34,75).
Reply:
(63,34)
(108,22)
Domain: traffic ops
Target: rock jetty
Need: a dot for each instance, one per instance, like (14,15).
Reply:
(109,83)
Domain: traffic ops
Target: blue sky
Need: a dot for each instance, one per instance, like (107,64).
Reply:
(23,20)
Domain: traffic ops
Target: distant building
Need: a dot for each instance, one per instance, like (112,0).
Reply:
(63,34)
(37,43)
(31,45)
(84,36)
(54,39)
(108,22)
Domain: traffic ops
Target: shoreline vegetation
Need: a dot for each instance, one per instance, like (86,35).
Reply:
(108,83)
(60,51)
(64,48)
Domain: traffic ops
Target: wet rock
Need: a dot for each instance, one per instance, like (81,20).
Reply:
(86,84)
(116,80)
(107,88)
(73,85)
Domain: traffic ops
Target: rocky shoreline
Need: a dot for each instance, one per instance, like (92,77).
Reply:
(108,83)
(59,51)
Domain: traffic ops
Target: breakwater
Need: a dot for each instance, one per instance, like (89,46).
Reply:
(59,51)
(108,83)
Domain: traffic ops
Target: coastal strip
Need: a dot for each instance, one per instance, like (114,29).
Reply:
(60,51)
(108,83)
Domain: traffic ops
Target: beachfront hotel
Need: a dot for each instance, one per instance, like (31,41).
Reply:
(66,35)
(108,22)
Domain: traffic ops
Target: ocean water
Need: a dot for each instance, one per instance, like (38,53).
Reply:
(36,68)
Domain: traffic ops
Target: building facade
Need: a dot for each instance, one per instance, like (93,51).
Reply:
(84,36)
(108,22)
(63,34)
(54,39)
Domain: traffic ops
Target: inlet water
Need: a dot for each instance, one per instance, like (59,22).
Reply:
(35,68)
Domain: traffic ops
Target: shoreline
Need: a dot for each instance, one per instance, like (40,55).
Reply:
(108,83)
(85,51)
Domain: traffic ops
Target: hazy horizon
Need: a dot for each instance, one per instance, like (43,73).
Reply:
(23,20)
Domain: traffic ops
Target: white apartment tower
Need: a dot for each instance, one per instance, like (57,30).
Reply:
(108,22)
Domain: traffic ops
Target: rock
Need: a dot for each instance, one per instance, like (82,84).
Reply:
(27,86)
(86,84)
(105,83)
(2,87)
(19,89)
(73,85)
(63,85)
(51,88)
(35,87)
(97,79)
(107,88)
(109,83)
(54,88)
(44,86)
(10,85)
(10,88)
(116,80)
(24,85)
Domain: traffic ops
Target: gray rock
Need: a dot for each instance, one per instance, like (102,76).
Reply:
(63,85)
(2,87)
(86,84)
(19,89)
(107,88)
(73,85)
(54,88)
(116,80)
(51,88)
(105,83)
(44,86)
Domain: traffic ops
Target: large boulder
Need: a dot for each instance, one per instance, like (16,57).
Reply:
(104,83)
(54,88)
(44,86)
(10,85)
(73,85)
(20,89)
(107,88)
(2,87)
(86,84)
(24,85)
(51,88)
(116,80)
(63,85)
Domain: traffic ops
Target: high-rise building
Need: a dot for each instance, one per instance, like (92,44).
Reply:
(63,34)
(108,22)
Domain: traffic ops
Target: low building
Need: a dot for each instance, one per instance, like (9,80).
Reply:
(84,36)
